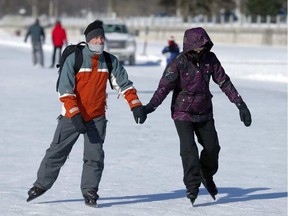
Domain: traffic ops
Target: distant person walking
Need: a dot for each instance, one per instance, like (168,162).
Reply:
(37,34)
(172,50)
(59,38)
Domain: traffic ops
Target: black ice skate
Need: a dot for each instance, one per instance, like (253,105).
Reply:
(192,195)
(90,198)
(210,187)
(35,192)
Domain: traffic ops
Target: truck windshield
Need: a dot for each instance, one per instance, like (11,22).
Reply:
(110,28)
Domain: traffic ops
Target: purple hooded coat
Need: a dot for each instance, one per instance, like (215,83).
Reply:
(189,79)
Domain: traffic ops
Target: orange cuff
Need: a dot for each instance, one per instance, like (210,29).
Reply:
(132,98)
(70,105)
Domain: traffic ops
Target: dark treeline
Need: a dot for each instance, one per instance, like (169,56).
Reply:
(124,8)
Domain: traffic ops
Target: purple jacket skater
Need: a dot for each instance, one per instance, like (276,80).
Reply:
(188,76)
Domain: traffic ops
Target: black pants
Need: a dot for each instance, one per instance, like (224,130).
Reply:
(192,164)
(54,54)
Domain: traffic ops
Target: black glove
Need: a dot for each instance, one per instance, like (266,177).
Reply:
(139,114)
(149,108)
(245,115)
(79,124)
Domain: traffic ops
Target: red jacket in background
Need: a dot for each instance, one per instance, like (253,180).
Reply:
(58,35)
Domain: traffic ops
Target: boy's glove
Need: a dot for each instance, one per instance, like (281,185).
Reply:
(79,124)
(149,108)
(245,115)
(139,114)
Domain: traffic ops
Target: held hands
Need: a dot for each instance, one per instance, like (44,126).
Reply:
(139,114)
(79,124)
(245,115)
(149,108)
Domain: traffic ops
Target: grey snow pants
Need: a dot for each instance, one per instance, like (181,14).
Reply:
(37,53)
(64,138)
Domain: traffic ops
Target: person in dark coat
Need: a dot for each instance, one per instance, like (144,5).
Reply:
(172,50)
(188,76)
(59,38)
(37,34)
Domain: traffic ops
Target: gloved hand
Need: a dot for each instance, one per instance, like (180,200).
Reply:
(149,108)
(79,124)
(245,115)
(139,114)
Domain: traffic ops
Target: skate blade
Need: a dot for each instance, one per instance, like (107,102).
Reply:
(91,204)
(192,202)
(30,198)
(34,197)
(213,197)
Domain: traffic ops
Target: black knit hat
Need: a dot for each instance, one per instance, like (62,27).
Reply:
(94,29)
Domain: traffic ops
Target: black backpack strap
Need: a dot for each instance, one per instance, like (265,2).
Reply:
(109,66)
(78,57)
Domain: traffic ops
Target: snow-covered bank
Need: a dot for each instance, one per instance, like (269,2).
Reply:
(263,63)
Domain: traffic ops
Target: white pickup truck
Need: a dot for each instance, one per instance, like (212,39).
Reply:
(120,42)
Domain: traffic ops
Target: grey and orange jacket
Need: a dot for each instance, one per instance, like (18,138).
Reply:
(85,92)
(189,77)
